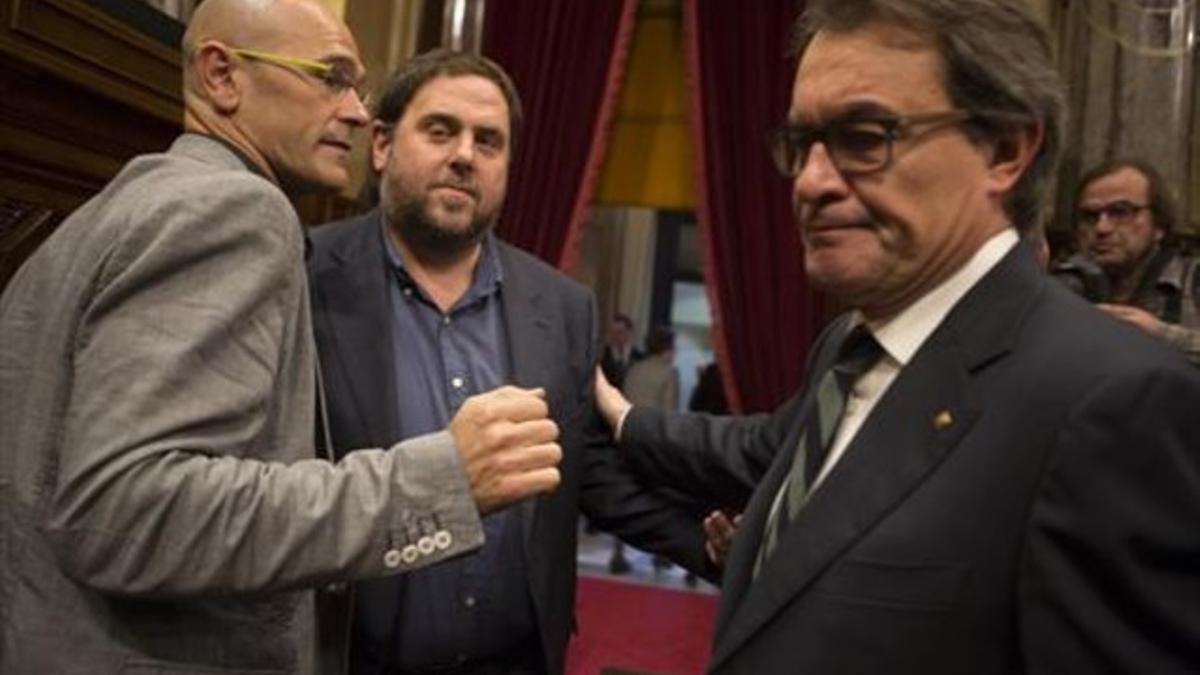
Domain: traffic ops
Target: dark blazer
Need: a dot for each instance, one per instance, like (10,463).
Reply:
(552,335)
(614,370)
(1025,498)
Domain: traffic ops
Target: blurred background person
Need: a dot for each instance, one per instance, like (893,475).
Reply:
(620,352)
(709,394)
(1124,219)
(652,381)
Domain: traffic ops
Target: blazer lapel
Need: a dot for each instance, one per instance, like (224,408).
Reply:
(919,421)
(530,335)
(355,294)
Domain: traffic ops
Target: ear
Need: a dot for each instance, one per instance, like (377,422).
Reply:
(1012,153)
(213,69)
(382,136)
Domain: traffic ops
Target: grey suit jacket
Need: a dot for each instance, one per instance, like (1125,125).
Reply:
(1024,498)
(161,505)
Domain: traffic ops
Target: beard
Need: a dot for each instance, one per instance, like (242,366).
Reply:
(410,219)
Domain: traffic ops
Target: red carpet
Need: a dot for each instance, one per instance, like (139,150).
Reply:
(640,629)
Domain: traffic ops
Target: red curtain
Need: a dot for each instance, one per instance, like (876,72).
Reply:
(739,82)
(567,60)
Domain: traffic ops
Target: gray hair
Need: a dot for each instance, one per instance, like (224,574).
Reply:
(997,59)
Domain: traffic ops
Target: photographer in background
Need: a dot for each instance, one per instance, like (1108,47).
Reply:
(1124,218)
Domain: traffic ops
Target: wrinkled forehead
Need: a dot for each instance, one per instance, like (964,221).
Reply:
(877,66)
(470,98)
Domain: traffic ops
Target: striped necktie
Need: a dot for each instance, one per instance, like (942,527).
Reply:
(857,354)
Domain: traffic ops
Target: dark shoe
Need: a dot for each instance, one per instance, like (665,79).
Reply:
(618,565)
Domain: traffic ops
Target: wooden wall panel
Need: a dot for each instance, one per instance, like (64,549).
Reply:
(80,93)
(82,45)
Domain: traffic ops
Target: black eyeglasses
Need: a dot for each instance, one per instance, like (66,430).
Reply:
(1120,212)
(336,78)
(856,145)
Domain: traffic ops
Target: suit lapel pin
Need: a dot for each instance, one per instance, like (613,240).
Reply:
(943,420)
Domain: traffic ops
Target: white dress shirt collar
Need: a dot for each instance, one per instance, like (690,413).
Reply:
(903,334)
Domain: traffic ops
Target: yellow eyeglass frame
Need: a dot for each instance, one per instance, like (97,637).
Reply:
(318,69)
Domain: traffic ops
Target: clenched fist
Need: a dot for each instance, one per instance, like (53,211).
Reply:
(507,444)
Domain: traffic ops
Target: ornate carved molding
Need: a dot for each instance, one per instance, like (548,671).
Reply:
(78,43)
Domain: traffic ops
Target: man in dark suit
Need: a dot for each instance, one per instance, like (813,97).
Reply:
(418,305)
(619,350)
(1014,482)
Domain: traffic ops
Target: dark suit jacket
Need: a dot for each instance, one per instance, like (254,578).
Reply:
(1025,498)
(552,328)
(614,370)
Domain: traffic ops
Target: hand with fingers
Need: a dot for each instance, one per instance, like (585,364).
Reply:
(719,528)
(611,403)
(507,444)
(1137,317)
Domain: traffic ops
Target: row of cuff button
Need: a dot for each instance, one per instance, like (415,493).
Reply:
(438,541)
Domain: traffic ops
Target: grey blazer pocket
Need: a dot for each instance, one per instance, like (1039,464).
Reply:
(921,586)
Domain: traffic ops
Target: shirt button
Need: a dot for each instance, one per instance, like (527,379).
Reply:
(456,382)
(391,559)
(446,320)
(469,601)
(408,291)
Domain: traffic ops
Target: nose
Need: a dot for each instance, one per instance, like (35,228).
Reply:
(818,179)
(463,150)
(354,110)
(1104,224)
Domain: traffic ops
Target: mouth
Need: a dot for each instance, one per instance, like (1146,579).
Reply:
(818,230)
(338,143)
(459,188)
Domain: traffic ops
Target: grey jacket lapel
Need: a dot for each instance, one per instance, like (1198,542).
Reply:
(900,445)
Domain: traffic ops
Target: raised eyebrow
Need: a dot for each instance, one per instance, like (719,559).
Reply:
(337,61)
